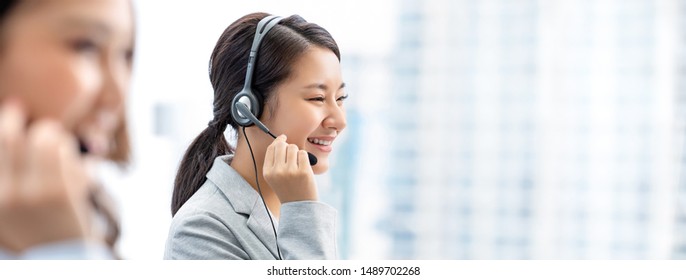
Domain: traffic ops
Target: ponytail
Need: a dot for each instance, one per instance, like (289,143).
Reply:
(197,161)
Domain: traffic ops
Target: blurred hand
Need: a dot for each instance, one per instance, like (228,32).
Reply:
(287,170)
(43,182)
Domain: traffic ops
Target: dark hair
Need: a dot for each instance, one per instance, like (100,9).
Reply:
(5,6)
(283,45)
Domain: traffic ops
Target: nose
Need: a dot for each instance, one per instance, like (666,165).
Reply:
(116,77)
(335,118)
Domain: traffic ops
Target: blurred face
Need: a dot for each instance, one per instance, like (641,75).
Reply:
(308,107)
(70,60)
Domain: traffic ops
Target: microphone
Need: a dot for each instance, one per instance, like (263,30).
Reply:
(83,149)
(245,111)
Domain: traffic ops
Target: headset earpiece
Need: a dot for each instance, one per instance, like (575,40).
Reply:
(249,100)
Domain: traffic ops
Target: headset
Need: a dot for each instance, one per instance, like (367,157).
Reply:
(245,106)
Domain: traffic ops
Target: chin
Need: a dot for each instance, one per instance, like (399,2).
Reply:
(321,167)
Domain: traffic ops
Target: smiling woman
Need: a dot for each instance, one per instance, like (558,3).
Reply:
(64,71)
(228,203)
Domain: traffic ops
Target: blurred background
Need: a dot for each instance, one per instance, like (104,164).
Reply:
(477,129)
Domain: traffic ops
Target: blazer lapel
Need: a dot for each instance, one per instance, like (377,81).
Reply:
(244,199)
(261,225)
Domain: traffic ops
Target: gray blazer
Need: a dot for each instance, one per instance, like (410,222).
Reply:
(225,219)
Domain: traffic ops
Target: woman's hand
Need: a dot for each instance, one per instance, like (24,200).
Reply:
(287,170)
(43,182)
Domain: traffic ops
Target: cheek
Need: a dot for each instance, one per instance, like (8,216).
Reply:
(51,85)
(298,125)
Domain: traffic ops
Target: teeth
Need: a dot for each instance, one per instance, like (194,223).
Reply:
(319,142)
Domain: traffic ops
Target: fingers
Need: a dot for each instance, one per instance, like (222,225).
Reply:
(12,126)
(43,182)
(292,156)
(270,155)
(72,169)
(75,182)
(287,170)
(51,159)
(280,153)
(303,160)
(280,150)
(53,190)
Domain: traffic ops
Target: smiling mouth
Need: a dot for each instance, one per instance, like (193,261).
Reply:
(320,142)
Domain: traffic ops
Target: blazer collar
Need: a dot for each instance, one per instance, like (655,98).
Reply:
(244,199)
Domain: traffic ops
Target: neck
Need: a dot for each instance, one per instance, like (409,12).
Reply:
(243,164)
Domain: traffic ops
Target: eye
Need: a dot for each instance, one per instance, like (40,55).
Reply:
(128,56)
(341,99)
(85,45)
(318,99)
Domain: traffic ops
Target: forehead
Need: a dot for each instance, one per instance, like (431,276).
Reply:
(317,64)
(113,15)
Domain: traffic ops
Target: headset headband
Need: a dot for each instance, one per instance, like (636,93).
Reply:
(263,27)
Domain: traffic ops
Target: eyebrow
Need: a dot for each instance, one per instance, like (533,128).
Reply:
(323,86)
(101,28)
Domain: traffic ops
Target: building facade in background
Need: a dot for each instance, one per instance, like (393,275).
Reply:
(533,130)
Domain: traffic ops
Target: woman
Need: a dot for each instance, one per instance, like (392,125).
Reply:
(64,69)
(228,203)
